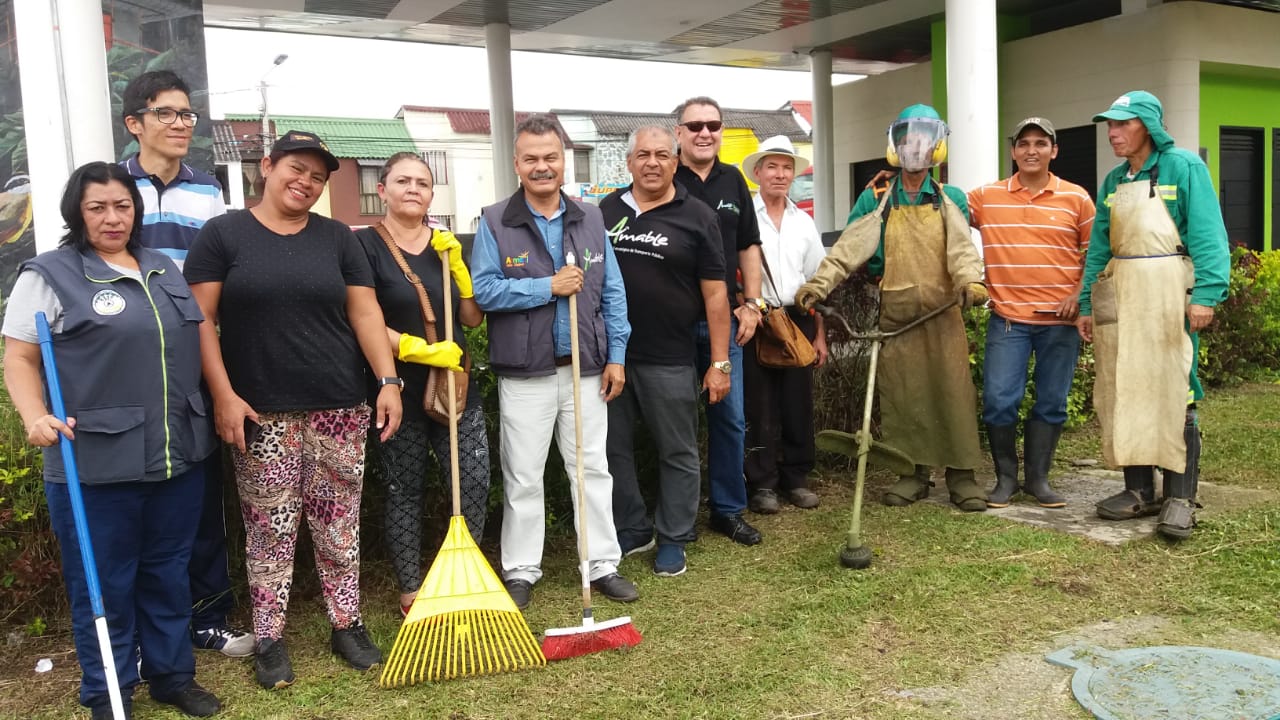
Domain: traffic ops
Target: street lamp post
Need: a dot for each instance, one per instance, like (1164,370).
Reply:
(267,138)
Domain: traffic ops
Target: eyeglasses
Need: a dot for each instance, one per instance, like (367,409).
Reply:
(695,126)
(169,116)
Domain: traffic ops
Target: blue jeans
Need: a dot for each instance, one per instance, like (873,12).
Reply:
(726,431)
(142,535)
(1010,346)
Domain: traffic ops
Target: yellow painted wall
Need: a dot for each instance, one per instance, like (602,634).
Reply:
(738,143)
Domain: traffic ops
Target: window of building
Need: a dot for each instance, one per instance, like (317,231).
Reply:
(438,161)
(582,166)
(370,203)
(445,222)
(251,175)
(221,174)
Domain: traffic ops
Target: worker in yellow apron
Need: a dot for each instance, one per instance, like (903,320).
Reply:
(1158,263)
(916,237)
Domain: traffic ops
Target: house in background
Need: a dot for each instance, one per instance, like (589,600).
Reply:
(361,145)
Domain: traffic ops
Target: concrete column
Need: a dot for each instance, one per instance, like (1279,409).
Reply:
(66,102)
(824,176)
(502,117)
(973,110)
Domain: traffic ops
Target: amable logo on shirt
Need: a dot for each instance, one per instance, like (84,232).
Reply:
(619,234)
(518,260)
(724,205)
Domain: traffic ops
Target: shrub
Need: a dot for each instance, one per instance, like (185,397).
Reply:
(1243,341)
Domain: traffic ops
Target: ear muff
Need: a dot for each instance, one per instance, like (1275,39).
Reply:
(891,154)
(940,152)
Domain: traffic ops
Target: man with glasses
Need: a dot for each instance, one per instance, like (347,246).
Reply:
(177,201)
(699,128)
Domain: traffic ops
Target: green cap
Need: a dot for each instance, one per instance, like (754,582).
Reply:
(918,111)
(1135,103)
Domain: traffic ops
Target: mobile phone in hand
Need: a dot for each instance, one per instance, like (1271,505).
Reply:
(252,431)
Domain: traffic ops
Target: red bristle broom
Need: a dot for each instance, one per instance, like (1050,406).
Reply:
(591,636)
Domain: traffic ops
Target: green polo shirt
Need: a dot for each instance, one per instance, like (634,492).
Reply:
(868,202)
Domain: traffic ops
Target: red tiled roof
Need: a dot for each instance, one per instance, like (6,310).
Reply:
(476,122)
(805,108)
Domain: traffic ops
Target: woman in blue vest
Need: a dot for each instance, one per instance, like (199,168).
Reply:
(126,336)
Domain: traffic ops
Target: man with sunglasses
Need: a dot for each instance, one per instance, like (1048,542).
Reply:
(699,132)
(177,200)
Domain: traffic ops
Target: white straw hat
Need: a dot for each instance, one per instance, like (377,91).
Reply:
(776,145)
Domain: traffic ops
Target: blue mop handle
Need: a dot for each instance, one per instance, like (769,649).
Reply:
(69,463)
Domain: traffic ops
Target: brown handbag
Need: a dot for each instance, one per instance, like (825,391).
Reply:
(435,401)
(779,341)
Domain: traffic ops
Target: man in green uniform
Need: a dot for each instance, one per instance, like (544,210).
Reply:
(1158,263)
(916,237)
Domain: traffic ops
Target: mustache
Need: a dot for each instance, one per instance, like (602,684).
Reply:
(542,175)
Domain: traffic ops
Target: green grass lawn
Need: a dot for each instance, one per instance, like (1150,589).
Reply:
(781,631)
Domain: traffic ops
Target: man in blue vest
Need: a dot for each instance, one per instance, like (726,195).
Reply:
(523,281)
(177,200)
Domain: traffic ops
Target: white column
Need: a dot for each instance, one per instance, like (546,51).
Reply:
(66,102)
(973,110)
(502,117)
(824,176)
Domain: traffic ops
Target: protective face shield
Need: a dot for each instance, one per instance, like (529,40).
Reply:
(917,143)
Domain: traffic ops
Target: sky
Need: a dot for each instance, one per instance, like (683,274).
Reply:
(346,77)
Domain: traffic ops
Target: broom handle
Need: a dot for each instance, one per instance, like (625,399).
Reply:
(577,455)
(93,587)
(454,473)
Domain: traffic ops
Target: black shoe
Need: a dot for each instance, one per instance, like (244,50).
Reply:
(353,645)
(633,545)
(192,700)
(521,591)
(735,528)
(271,667)
(103,712)
(616,588)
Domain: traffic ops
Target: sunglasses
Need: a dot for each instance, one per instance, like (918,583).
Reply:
(695,126)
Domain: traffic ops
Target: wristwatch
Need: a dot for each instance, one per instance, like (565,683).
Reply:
(398,382)
(723,366)
(759,304)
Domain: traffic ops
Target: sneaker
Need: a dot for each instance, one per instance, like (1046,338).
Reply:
(635,546)
(737,529)
(764,502)
(354,646)
(616,588)
(803,498)
(192,700)
(224,639)
(669,562)
(271,667)
(521,591)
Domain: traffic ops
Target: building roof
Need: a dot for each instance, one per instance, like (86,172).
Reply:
(467,121)
(362,138)
(762,123)
(804,107)
(225,147)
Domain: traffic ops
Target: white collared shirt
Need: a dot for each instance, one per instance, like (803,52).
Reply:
(792,251)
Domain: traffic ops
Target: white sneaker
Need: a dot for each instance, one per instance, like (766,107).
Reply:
(224,639)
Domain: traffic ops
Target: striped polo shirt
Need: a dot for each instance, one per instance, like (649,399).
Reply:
(174,213)
(1033,245)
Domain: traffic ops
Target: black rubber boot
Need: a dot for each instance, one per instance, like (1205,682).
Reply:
(1178,512)
(1138,499)
(1004,455)
(1039,443)
(965,492)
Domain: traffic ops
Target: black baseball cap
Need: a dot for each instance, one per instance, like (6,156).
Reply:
(1038,122)
(299,140)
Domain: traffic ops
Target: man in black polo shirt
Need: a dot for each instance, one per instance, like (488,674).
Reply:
(699,132)
(672,265)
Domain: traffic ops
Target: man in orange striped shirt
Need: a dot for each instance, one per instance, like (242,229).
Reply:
(1035,230)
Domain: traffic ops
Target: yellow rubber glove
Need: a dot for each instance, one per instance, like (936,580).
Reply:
(445,354)
(975,294)
(442,240)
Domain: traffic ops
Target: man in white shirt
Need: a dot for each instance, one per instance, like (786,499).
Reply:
(779,401)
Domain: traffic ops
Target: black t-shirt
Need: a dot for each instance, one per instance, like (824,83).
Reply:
(726,192)
(663,254)
(286,342)
(403,311)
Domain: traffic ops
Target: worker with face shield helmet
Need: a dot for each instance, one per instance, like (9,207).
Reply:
(914,235)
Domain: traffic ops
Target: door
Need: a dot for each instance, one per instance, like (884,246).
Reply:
(1077,159)
(1240,184)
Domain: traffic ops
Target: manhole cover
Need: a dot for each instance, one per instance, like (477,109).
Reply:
(1173,682)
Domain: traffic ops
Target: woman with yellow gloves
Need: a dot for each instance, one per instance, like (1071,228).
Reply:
(405,186)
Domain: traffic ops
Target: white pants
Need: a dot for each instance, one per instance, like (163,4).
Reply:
(530,410)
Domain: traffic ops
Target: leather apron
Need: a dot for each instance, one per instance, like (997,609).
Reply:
(928,406)
(1142,353)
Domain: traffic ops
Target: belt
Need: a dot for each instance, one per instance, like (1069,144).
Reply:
(562,361)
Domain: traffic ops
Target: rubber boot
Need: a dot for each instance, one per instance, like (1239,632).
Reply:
(1004,455)
(965,492)
(1138,498)
(1039,444)
(1178,512)
(909,488)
